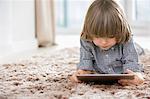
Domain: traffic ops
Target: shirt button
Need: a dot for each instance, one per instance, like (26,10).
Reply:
(109,69)
(112,48)
(107,55)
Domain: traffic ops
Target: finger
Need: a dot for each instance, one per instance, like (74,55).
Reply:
(74,78)
(79,72)
(88,72)
(127,82)
(71,78)
(123,83)
(128,71)
(123,80)
(82,72)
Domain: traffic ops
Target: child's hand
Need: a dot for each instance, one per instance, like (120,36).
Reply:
(138,79)
(74,78)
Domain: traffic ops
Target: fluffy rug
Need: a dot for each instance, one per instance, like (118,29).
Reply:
(45,76)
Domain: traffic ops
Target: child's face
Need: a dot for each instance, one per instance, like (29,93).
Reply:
(104,43)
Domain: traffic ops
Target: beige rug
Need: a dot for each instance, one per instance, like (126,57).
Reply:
(45,76)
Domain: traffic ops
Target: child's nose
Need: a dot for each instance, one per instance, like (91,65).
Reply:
(104,41)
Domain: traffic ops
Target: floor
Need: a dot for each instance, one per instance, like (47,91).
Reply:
(64,41)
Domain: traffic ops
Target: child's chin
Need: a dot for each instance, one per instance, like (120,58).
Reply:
(105,48)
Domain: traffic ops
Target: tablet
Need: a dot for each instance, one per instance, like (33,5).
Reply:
(104,77)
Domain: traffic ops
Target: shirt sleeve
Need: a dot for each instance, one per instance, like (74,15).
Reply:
(130,57)
(86,56)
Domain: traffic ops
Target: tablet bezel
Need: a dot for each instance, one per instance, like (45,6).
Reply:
(104,77)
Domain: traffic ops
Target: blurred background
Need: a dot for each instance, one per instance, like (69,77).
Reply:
(30,26)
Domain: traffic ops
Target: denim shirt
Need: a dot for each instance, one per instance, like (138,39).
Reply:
(114,60)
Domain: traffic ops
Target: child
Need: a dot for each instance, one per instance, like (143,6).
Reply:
(106,43)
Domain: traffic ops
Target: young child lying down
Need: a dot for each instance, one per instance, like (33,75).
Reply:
(106,43)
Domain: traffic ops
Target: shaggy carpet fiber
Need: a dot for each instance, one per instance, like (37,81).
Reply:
(45,76)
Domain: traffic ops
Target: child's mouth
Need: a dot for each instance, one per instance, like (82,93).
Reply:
(105,48)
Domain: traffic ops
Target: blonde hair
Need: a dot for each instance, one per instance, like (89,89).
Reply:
(105,18)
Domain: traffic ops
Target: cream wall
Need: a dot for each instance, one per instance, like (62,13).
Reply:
(17,26)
